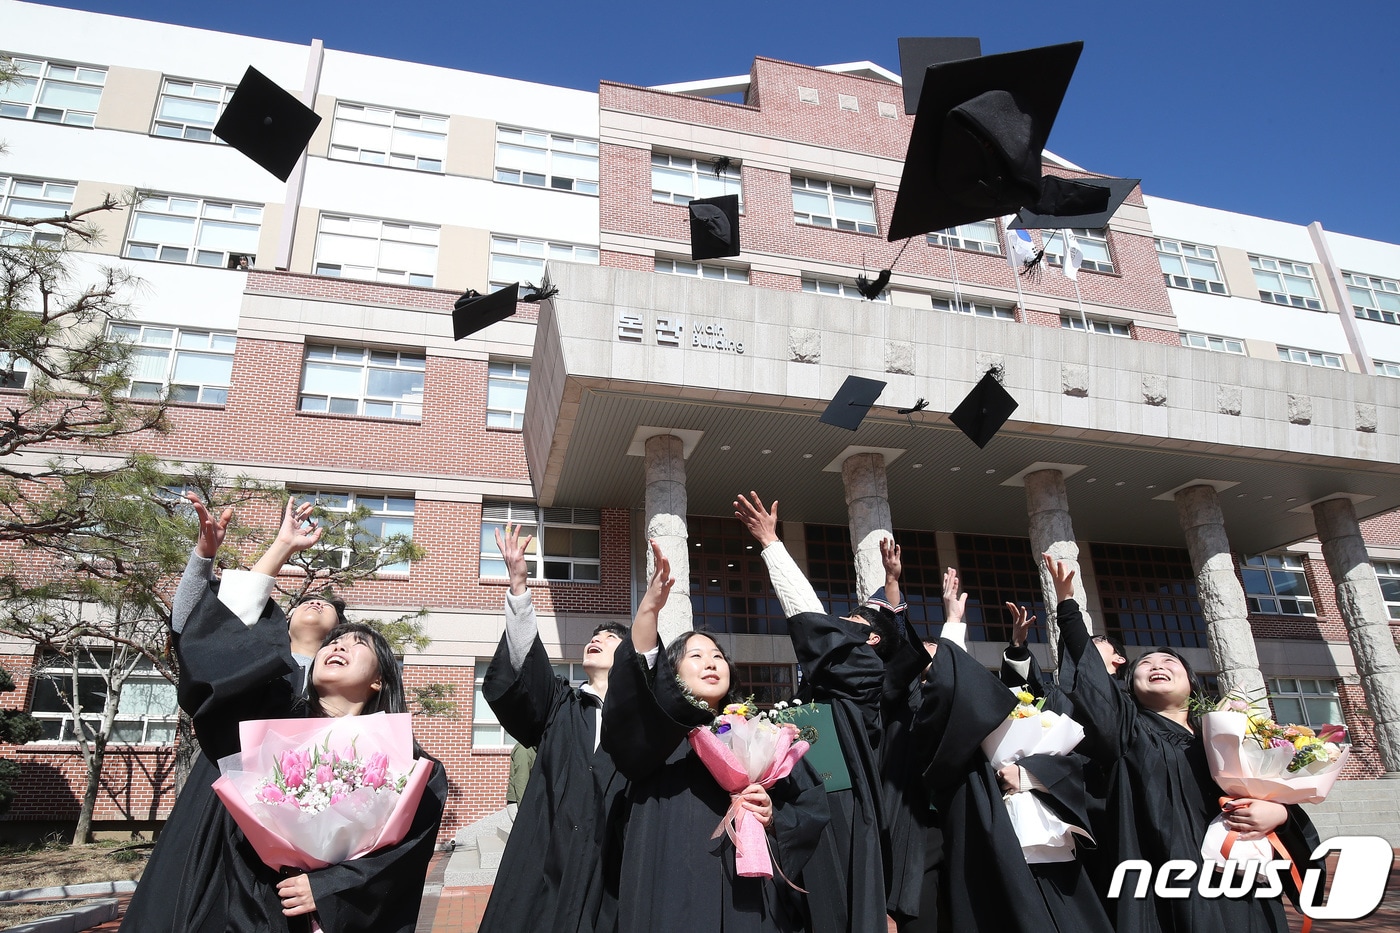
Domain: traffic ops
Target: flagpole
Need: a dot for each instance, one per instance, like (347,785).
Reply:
(1064,264)
(953,268)
(1015,272)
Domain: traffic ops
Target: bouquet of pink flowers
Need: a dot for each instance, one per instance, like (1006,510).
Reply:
(745,746)
(308,793)
(1250,755)
(1032,730)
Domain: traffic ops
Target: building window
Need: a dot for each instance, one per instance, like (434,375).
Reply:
(921,583)
(729,586)
(831,567)
(14,371)
(361,381)
(377,250)
(506,385)
(1276,584)
(32,199)
(1092,243)
(1148,595)
(1211,342)
(487,731)
(170,228)
(982,237)
(546,160)
(975,308)
(1096,325)
(567,546)
(193,365)
(1309,357)
(146,713)
(53,93)
(840,289)
(994,571)
(766,683)
(189,109)
(679,180)
(1282,282)
(1387,369)
(702,270)
(516,259)
(1302,701)
(1388,573)
(389,516)
(833,204)
(1373,297)
(380,136)
(1186,265)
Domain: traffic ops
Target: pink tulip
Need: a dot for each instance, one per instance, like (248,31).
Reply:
(375,769)
(324,774)
(271,794)
(295,766)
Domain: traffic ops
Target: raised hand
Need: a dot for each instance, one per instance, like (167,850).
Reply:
(299,530)
(954,603)
(1062,575)
(513,552)
(211,530)
(644,625)
(762,523)
(890,557)
(1021,622)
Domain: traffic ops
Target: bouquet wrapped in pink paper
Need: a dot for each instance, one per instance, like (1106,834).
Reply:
(1031,730)
(746,747)
(1250,755)
(309,793)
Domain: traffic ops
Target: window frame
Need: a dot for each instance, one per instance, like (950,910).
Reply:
(40,70)
(1086,237)
(1196,341)
(379,515)
(1371,310)
(497,377)
(49,672)
(1283,270)
(1252,565)
(537,521)
(394,155)
(701,177)
(1279,689)
(1097,325)
(15,235)
(183,127)
(550,250)
(402,363)
(545,142)
(975,308)
(834,191)
(835,288)
(220,343)
(1184,253)
(1386,368)
(238,211)
(1388,576)
(957,238)
(1307,357)
(714,271)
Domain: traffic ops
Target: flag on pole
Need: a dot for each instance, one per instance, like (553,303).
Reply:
(1074,256)
(1019,249)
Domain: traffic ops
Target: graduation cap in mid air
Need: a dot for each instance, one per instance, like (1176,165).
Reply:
(714,227)
(975,150)
(870,289)
(1084,203)
(852,402)
(916,53)
(984,411)
(267,124)
(473,311)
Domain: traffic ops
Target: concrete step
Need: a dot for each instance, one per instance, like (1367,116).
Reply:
(465,869)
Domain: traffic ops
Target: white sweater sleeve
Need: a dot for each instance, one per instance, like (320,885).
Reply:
(1022,668)
(245,593)
(521,627)
(794,591)
(956,632)
(193,582)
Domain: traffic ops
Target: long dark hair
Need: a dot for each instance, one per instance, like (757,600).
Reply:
(1198,694)
(389,698)
(676,650)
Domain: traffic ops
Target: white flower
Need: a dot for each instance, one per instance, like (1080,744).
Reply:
(796,702)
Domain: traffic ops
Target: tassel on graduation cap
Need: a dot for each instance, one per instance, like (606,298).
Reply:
(541,292)
(722,165)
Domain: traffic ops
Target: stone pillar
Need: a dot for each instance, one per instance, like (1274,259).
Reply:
(1218,587)
(868,510)
(1368,628)
(666,508)
(1052,532)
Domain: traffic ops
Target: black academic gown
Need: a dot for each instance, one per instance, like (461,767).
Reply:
(558,872)
(1160,797)
(990,886)
(232,673)
(674,875)
(846,874)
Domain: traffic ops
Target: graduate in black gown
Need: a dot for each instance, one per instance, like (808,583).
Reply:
(843,664)
(1161,796)
(990,886)
(233,672)
(675,876)
(183,886)
(558,872)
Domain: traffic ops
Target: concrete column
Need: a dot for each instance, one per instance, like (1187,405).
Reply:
(1228,635)
(868,510)
(666,508)
(1052,532)
(1368,628)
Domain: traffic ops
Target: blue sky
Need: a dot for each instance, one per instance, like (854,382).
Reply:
(1286,109)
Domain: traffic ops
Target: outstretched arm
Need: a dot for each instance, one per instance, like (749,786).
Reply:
(890,557)
(200,568)
(521,625)
(246,592)
(644,626)
(794,592)
(954,605)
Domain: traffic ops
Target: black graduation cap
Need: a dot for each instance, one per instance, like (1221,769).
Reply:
(917,53)
(984,411)
(1087,203)
(975,150)
(852,402)
(267,124)
(871,288)
(473,311)
(714,227)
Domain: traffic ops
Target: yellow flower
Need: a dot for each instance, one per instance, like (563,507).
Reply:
(1025,697)
(1303,741)
(1256,724)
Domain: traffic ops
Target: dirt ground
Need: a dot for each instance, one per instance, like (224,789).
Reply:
(52,865)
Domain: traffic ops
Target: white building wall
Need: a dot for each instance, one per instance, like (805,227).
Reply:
(1176,220)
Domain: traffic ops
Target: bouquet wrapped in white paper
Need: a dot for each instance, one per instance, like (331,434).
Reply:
(1030,730)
